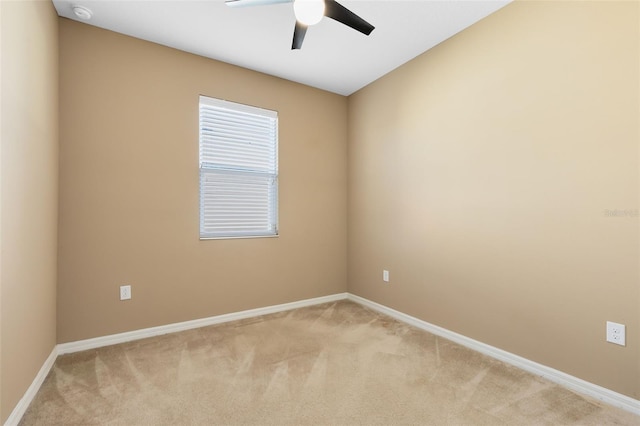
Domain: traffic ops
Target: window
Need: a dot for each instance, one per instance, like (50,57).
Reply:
(238,170)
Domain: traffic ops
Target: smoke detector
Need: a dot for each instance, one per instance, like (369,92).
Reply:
(82,12)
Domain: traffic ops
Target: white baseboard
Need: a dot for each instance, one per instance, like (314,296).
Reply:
(582,386)
(83,345)
(19,410)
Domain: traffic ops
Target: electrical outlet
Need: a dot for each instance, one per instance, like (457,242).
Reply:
(616,333)
(385,275)
(125,292)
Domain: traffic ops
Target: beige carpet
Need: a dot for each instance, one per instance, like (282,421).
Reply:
(331,364)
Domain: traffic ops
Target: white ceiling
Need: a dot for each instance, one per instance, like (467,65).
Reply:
(333,57)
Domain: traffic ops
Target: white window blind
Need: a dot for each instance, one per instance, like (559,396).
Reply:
(238,170)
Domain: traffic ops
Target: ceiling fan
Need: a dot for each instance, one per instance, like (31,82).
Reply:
(310,12)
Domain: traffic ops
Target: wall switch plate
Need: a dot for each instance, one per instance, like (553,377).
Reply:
(385,275)
(125,292)
(616,333)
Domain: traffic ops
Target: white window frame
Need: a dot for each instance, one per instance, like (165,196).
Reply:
(238,157)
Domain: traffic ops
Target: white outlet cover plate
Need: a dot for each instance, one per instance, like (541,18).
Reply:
(616,333)
(125,292)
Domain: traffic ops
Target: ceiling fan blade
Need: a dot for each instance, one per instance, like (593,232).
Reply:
(246,3)
(335,10)
(298,35)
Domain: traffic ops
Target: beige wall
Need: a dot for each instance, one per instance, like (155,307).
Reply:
(29,195)
(479,175)
(129,189)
